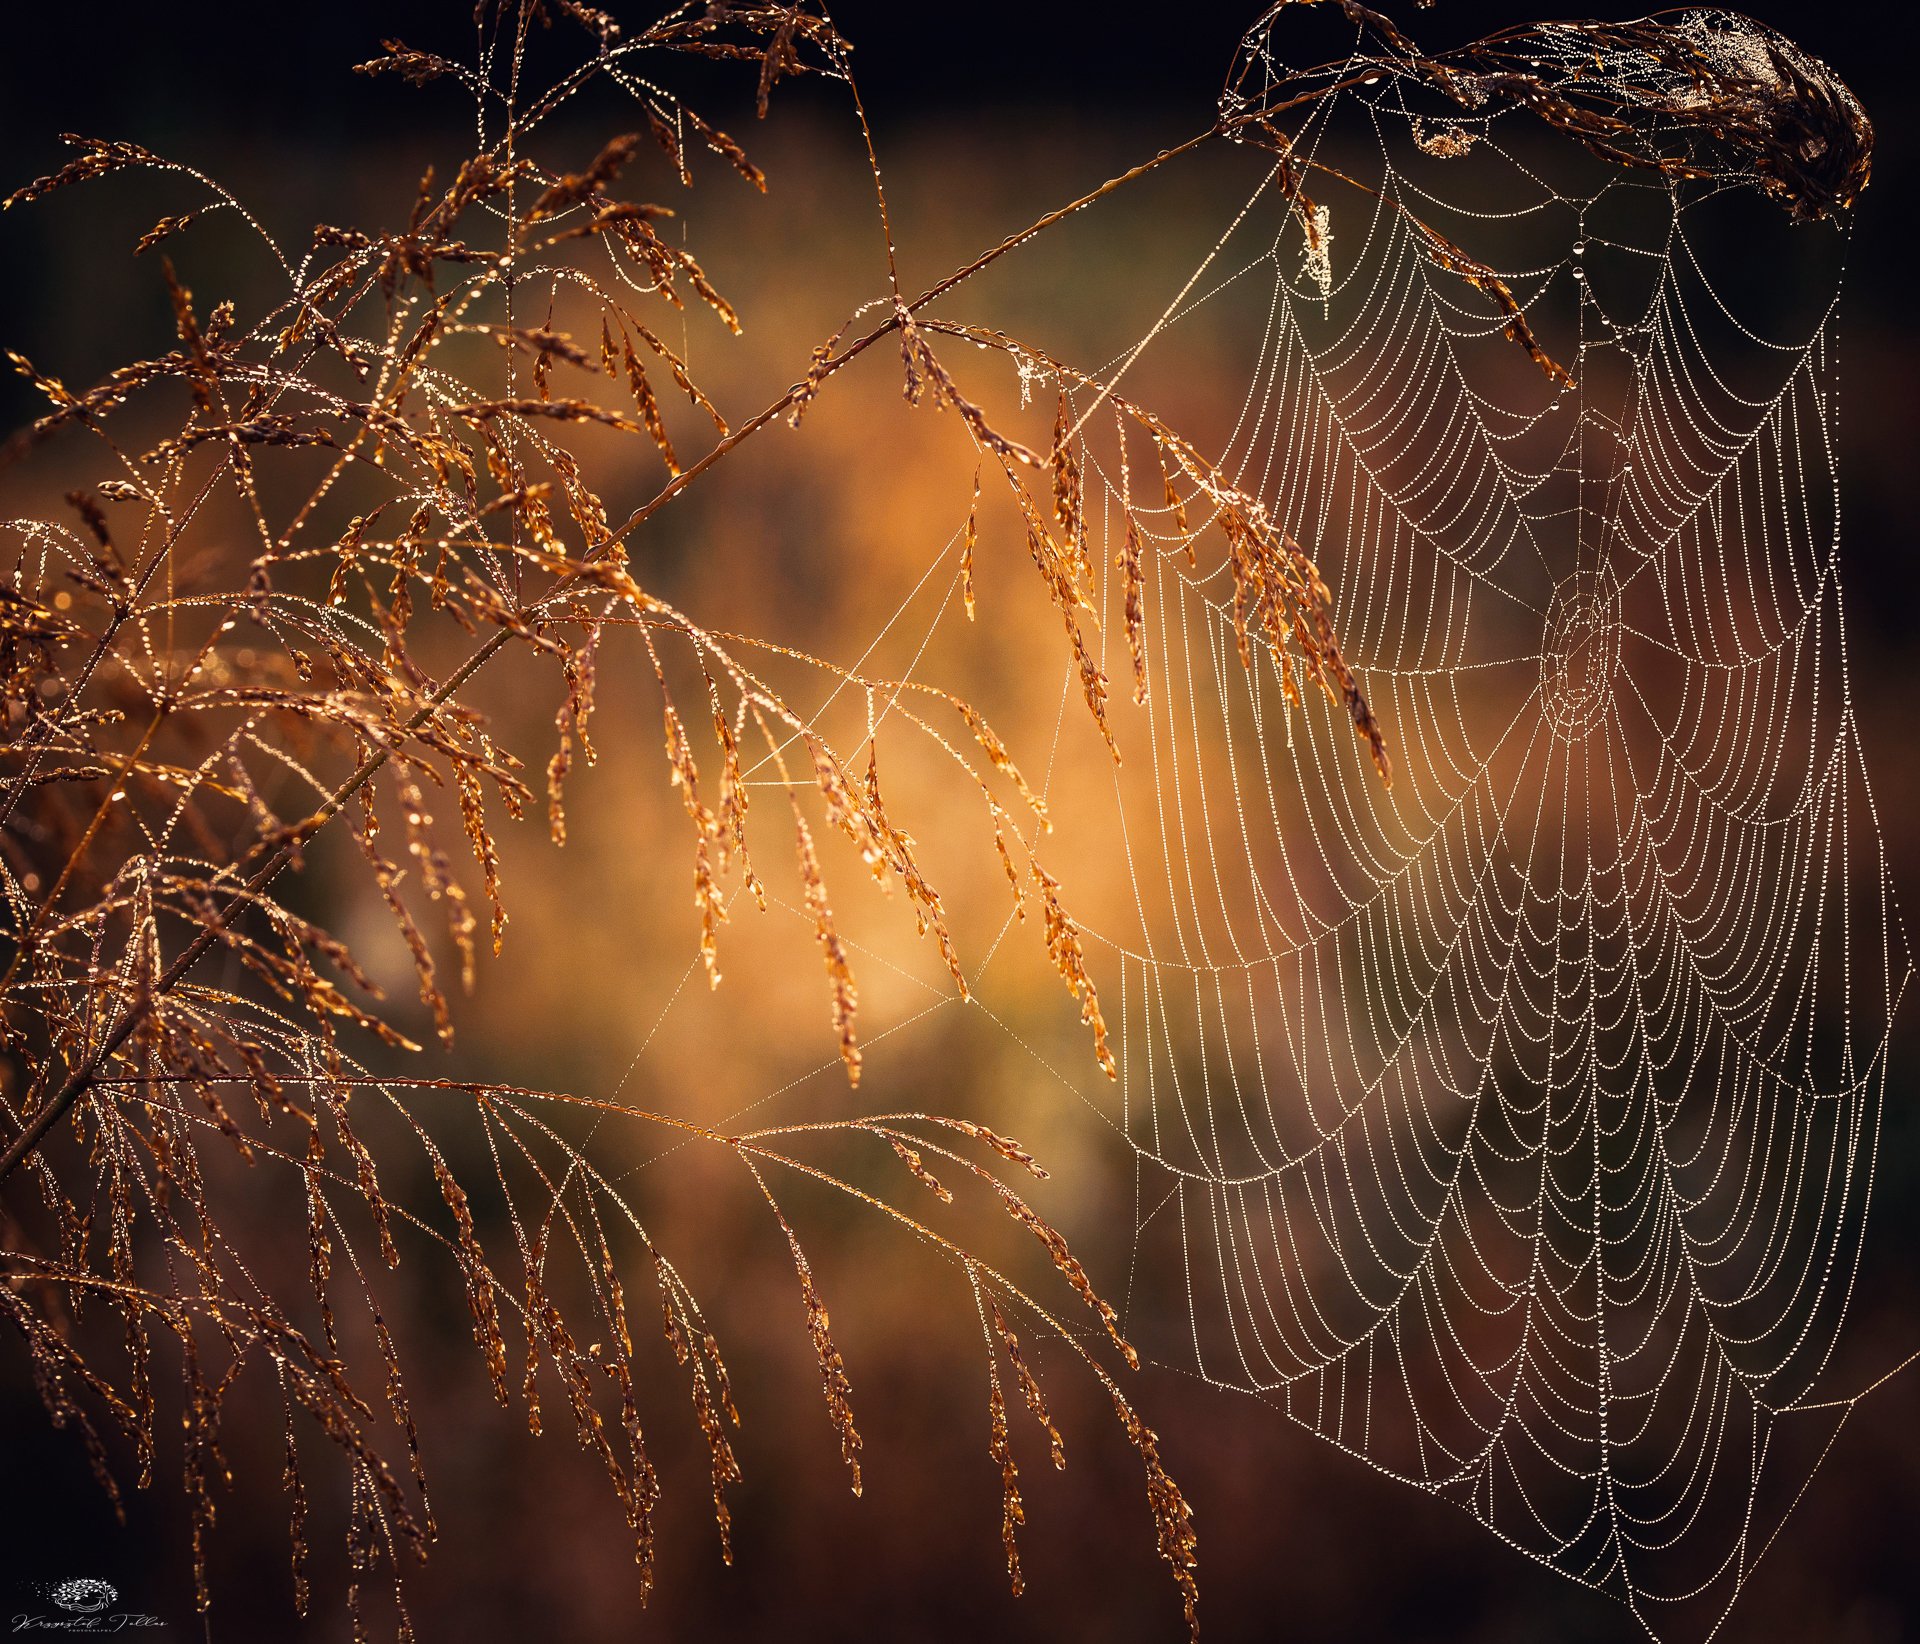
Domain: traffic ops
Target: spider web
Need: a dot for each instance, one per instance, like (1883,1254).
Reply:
(1512,1127)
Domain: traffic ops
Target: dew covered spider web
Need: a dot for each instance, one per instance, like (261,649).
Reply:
(1511,1125)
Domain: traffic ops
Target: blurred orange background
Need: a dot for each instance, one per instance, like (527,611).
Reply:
(823,540)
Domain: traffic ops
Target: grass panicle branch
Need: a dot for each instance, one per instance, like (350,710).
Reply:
(177,741)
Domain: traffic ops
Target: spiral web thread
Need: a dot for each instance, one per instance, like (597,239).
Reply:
(1513,1128)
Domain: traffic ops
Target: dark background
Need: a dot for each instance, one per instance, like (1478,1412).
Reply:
(1297,1543)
